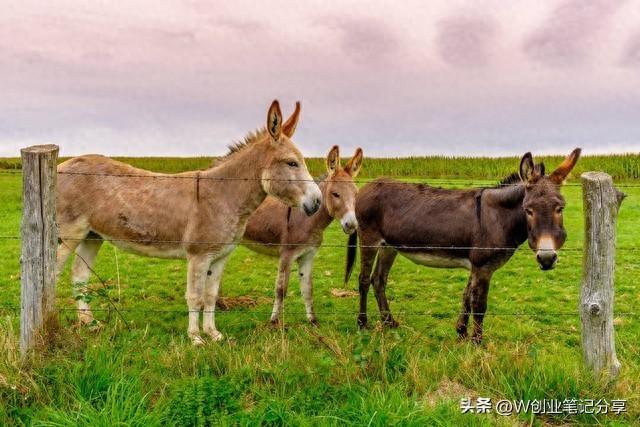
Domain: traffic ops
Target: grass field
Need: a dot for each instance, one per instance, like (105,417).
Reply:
(148,373)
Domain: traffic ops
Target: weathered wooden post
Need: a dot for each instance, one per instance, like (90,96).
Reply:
(39,242)
(601,203)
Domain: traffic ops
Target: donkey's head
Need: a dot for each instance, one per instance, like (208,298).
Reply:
(543,205)
(285,173)
(340,192)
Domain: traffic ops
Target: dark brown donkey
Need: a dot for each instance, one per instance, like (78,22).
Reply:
(476,229)
(275,230)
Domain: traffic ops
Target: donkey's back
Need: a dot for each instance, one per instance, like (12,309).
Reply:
(417,214)
(133,207)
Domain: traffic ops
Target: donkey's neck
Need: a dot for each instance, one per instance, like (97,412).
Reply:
(513,220)
(239,180)
(321,220)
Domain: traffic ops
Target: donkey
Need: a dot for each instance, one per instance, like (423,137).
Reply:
(199,215)
(274,230)
(476,229)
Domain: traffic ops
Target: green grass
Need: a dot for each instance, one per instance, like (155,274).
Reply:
(149,374)
(619,166)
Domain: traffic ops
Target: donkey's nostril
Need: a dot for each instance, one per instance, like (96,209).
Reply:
(546,259)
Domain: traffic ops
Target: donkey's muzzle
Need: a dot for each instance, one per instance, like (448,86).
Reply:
(311,205)
(546,259)
(349,223)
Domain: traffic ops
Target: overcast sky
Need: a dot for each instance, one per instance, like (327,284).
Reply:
(396,78)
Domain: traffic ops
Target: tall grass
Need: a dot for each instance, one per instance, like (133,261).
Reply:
(619,166)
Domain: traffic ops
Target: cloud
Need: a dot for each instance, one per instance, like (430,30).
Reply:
(466,41)
(570,35)
(364,40)
(631,52)
(164,78)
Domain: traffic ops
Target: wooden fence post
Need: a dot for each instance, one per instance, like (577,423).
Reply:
(39,242)
(601,203)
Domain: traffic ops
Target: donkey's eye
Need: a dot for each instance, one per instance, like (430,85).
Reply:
(293,164)
(529,212)
(559,209)
(336,195)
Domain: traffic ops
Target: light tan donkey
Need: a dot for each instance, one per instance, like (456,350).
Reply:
(278,232)
(194,215)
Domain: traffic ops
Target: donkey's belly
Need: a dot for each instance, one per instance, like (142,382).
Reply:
(261,248)
(150,250)
(431,260)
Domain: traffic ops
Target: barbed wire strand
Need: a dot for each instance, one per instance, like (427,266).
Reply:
(398,246)
(397,313)
(380,180)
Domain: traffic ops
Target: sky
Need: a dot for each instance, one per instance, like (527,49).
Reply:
(186,78)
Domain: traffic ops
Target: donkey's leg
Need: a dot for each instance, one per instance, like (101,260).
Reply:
(463,319)
(367,257)
(386,257)
(282,283)
(305,270)
(81,272)
(71,233)
(479,292)
(211,293)
(65,249)
(196,277)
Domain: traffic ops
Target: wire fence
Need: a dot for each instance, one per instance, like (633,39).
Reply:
(434,314)
(197,176)
(386,180)
(437,314)
(398,246)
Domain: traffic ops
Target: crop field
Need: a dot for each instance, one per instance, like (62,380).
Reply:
(140,369)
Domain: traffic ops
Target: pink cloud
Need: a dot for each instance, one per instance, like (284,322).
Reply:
(364,39)
(466,41)
(631,52)
(570,34)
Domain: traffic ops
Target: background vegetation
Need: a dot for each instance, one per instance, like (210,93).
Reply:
(146,372)
(620,167)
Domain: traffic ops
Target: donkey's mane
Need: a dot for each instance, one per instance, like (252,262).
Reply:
(512,179)
(238,146)
(321,178)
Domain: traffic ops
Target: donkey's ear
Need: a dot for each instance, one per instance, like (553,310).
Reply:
(526,167)
(560,174)
(274,120)
(333,160)
(289,127)
(355,163)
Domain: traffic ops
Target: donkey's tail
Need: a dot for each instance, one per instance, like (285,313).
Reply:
(352,249)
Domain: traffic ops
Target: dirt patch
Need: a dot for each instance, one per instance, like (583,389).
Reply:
(449,390)
(243,301)
(343,293)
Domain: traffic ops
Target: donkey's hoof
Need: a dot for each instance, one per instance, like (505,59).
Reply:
(462,331)
(275,323)
(95,325)
(215,335)
(90,323)
(390,322)
(476,339)
(86,319)
(362,321)
(314,322)
(197,340)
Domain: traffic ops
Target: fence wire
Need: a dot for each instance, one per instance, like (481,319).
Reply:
(399,246)
(433,314)
(384,180)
